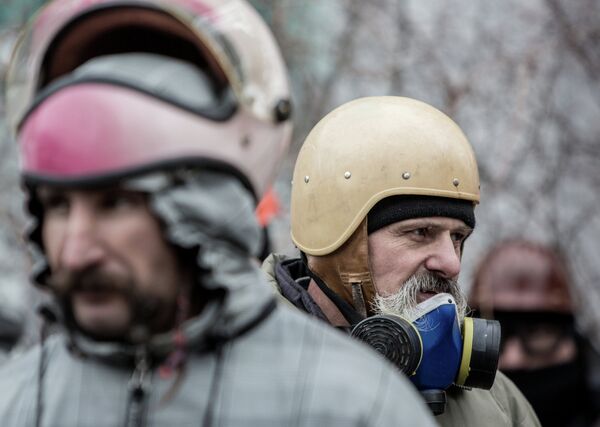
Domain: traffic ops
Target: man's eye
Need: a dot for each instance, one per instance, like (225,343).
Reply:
(419,232)
(55,203)
(121,200)
(459,238)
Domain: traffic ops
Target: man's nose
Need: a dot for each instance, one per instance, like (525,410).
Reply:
(444,259)
(82,246)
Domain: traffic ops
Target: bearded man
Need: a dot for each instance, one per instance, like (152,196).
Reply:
(147,131)
(383,199)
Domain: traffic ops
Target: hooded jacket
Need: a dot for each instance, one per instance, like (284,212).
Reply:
(250,361)
(502,405)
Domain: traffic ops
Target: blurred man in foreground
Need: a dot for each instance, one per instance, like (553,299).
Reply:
(147,131)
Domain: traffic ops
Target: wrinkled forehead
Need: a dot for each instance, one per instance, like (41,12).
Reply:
(433,224)
(43,191)
(437,222)
(45,197)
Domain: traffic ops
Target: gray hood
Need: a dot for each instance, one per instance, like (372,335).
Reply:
(212,214)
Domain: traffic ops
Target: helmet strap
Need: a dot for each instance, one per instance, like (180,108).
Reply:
(346,271)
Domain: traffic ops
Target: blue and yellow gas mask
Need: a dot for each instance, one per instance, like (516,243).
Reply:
(432,349)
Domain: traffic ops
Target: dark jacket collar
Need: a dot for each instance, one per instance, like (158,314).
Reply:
(293,277)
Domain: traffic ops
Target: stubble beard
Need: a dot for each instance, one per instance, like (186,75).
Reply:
(144,310)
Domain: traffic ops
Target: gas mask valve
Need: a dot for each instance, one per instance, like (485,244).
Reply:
(433,350)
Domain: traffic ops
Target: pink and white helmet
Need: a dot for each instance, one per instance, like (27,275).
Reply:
(75,127)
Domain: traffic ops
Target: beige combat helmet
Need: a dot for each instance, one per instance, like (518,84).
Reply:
(358,154)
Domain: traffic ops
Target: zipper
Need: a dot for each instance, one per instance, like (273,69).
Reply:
(139,388)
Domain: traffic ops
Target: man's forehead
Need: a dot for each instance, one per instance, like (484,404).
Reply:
(433,221)
(44,190)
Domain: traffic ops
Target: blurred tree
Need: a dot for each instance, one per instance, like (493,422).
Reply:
(16,299)
(521,78)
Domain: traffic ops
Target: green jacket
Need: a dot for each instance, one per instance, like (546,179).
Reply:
(502,405)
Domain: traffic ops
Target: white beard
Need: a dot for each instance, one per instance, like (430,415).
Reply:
(403,302)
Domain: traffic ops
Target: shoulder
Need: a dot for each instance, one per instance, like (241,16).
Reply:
(503,404)
(19,382)
(19,374)
(339,372)
(20,368)
(268,267)
(508,396)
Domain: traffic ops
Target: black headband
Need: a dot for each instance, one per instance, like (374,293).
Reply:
(397,208)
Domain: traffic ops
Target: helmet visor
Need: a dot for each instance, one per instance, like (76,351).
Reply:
(227,37)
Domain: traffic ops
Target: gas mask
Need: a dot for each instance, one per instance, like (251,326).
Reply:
(432,349)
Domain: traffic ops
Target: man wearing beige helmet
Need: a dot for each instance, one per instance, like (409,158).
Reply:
(143,129)
(526,286)
(383,198)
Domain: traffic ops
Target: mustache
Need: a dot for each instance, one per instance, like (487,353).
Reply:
(91,279)
(404,300)
(145,309)
(433,283)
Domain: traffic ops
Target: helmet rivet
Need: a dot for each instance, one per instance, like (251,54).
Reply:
(347,174)
(455,182)
(406,175)
(306,179)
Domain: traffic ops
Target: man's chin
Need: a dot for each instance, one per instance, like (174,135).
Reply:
(105,319)
(103,333)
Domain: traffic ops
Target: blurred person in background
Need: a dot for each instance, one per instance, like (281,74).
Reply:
(147,131)
(527,287)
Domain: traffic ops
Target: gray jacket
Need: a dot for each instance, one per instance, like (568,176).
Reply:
(502,405)
(286,371)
